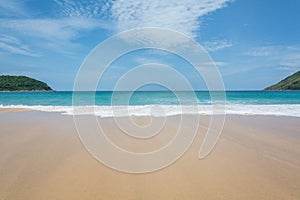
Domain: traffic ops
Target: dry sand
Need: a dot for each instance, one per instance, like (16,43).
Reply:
(41,157)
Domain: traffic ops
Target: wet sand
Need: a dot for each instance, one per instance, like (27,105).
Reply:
(41,157)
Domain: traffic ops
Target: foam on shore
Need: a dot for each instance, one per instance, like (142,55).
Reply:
(292,110)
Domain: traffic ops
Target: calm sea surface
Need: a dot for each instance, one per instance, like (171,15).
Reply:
(148,98)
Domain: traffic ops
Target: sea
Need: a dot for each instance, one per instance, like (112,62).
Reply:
(156,103)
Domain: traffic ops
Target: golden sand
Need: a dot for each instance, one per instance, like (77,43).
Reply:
(5,110)
(41,157)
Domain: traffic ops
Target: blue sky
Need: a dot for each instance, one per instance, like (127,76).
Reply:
(254,43)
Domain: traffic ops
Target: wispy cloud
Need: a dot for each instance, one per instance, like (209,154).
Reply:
(12,8)
(74,16)
(13,45)
(211,64)
(284,57)
(78,8)
(262,51)
(146,60)
(54,29)
(52,34)
(291,60)
(220,64)
(217,45)
(181,16)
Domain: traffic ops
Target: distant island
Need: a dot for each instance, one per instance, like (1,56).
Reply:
(290,83)
(22,83)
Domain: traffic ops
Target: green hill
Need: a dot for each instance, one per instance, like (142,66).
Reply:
(22,83)
(290,83)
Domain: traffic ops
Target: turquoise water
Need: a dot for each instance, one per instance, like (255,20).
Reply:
(147,98)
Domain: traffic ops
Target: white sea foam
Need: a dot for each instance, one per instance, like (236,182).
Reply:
(169,110)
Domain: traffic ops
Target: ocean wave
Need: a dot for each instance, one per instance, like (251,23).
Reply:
(292,110)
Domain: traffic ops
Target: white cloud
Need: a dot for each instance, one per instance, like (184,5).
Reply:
(12,8)
(286,68)
(147,60)
(52,29)
(78,8)
(286,57)
(52,34)
(181,16)
(211,64)
(75,16)
(220,64)
(13,45)
(291,60)
(217,45)
(16,50)
(262,51)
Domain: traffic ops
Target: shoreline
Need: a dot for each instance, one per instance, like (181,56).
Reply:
(289,110)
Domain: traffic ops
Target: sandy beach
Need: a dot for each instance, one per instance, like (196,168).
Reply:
(41,157)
